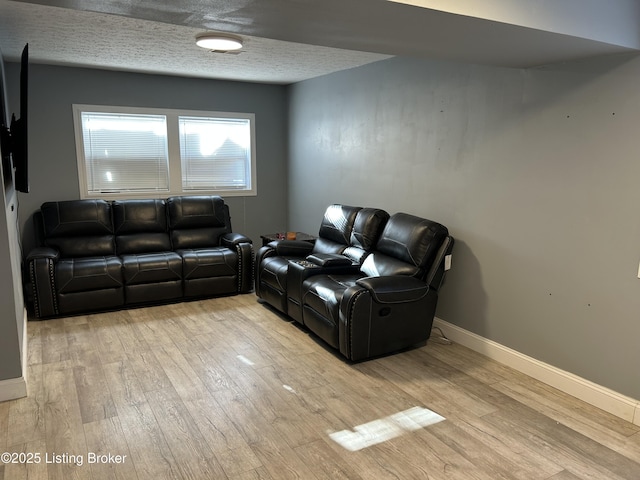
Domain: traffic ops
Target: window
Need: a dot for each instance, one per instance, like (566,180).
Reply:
(147,153)
(125,152)
(214,153)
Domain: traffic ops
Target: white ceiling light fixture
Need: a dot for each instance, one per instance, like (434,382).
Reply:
(221,42)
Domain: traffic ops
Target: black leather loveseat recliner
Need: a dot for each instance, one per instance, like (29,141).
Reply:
(378,301)
(346,230)
(97,254)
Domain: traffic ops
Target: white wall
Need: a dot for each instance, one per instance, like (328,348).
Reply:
(535,172)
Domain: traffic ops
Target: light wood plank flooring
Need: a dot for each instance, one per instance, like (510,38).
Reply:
(228,389)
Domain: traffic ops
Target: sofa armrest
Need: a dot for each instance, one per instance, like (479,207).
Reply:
(41,266)
(43,252)
(381,315)
(243,246)
(329,259)
(394,289)
(441,263)
(230,240)
(291,248)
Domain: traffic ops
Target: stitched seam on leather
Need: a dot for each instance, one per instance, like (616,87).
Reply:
(353,307)
(239,253)
(34,288)
(53,288)
(401,291)
(369,332)
(240,266)
(252,266)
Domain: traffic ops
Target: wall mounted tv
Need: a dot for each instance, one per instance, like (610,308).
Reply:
(13,131)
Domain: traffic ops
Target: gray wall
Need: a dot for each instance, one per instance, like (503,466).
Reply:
(535,172)
(52,154)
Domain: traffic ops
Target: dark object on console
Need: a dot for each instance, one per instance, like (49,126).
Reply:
(384,301)
(99,255)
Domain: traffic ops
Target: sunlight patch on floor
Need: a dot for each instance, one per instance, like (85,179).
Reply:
(245,360)
(289,389)
(381,430)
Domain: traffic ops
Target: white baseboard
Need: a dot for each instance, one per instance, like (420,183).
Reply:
(608,400)
(13,388)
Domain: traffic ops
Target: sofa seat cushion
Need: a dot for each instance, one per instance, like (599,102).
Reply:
(210,271)
(321,299)
(209,262)
(147,268)
(87,274)
(378,264)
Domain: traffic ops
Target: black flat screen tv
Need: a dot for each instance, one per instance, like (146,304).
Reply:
(5,122)
(13,131)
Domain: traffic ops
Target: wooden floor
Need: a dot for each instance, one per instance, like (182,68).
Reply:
(227,389)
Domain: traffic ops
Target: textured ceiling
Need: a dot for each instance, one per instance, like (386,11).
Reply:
(288,41)
(80,38)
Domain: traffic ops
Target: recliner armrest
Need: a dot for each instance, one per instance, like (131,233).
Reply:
(244,248)
(43,252)
(291,248)
(329,259)
(394,289)
(230,240)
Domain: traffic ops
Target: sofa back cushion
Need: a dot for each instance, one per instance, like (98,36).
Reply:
(335,229)
(197,221)
(140,226)
(78,228)
(367,228)
(407,246)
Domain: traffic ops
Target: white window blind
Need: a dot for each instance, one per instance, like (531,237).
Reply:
(215,153)
(125,152)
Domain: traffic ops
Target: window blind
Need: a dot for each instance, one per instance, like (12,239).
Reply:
(125,152)
(215,153)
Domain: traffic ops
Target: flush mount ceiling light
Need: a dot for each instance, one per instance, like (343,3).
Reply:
(221,42)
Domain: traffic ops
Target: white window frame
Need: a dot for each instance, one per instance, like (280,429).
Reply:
(173,144)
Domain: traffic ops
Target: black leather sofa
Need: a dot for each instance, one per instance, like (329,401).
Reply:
(96,254)
(368,287)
